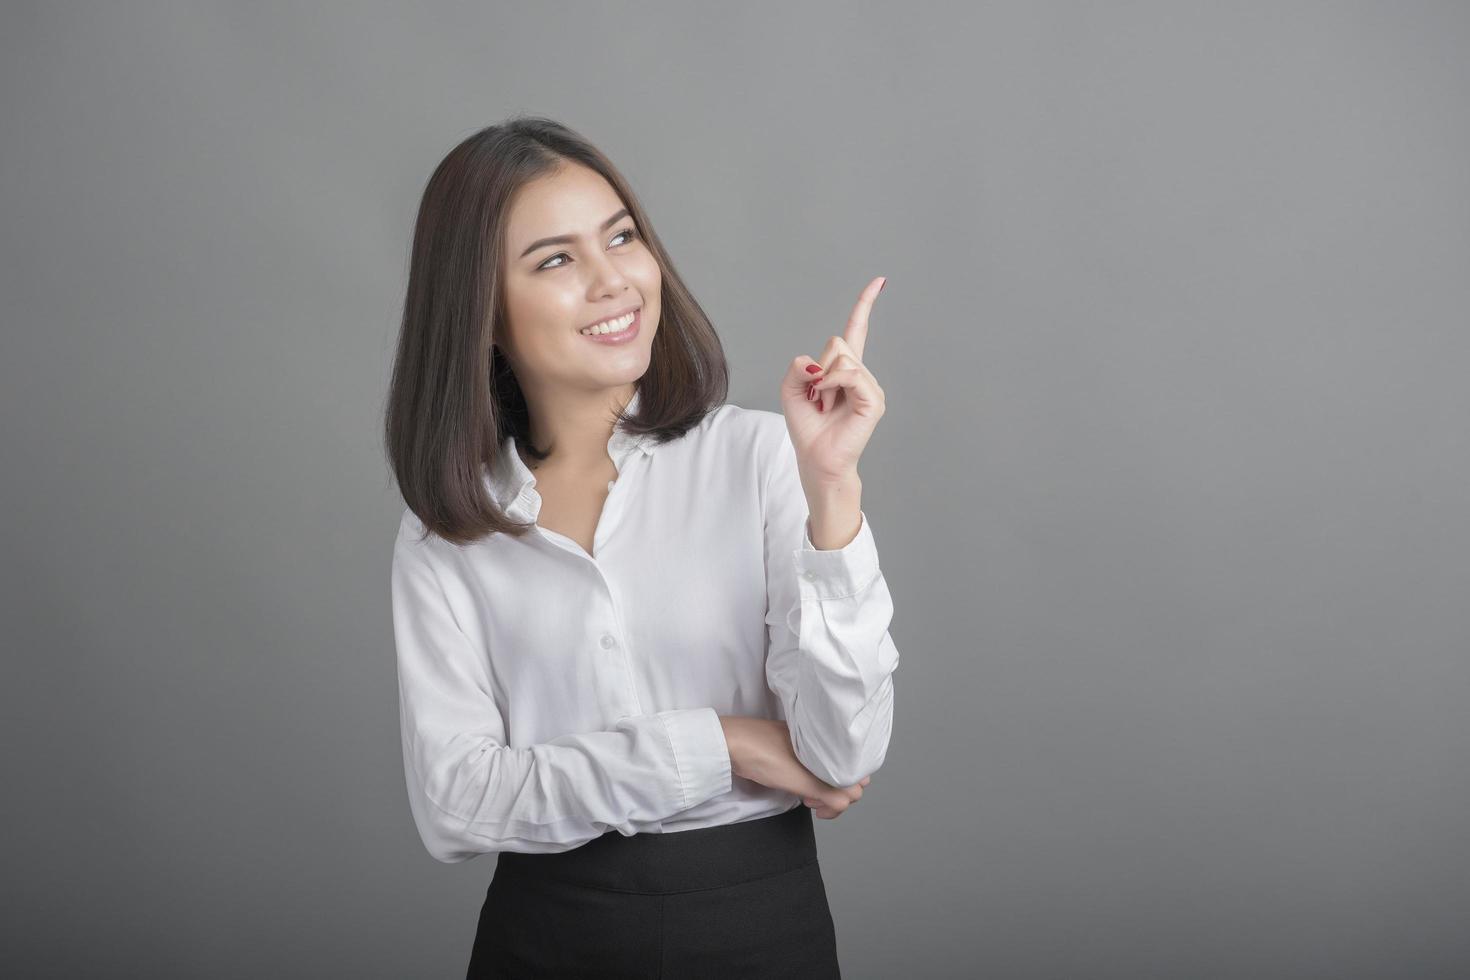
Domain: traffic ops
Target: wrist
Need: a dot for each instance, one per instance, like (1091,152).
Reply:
(830,487)
(835,512)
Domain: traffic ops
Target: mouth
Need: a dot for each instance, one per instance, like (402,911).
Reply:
(617,329)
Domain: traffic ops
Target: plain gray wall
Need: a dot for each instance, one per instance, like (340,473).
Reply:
(1171,491)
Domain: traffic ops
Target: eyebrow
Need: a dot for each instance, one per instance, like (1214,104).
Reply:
(567,239)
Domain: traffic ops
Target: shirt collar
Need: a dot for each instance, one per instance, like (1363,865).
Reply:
(510,478)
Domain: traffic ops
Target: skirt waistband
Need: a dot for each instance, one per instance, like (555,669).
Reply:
(684,860)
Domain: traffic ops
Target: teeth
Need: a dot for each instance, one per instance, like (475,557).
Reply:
(610,326)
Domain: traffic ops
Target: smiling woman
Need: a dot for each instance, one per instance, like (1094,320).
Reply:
(623,662)
(526,234)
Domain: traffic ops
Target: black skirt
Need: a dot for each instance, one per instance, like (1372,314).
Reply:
(740,900)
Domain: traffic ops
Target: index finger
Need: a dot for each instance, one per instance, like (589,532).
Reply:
(856,333)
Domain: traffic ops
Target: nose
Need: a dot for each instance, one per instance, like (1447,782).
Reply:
(607,278)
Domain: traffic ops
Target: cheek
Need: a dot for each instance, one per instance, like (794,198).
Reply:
(542,302)
(649,278)
(537,314)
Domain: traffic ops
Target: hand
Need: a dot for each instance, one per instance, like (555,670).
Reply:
(829,433)
(824,811)
(760,750)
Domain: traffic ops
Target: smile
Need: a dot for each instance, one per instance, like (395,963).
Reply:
(618,330)
(615,325)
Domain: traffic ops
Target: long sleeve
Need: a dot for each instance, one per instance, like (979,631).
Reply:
(830,658)
(472,794)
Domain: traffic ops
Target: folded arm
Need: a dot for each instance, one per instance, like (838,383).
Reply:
(472,794)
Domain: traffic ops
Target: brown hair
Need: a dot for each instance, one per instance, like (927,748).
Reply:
(453,397)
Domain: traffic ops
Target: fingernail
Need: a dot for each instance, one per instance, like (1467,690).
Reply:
(816,368)
(811,393)
(885,282)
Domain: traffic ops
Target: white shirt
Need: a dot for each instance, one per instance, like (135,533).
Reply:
(547,695)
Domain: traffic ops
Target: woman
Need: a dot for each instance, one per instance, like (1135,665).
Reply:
(636,627)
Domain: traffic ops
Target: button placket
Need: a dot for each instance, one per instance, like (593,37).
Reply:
(621,448)
(609,641)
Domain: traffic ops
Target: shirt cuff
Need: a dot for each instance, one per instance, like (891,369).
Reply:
(840,572)
(701,755)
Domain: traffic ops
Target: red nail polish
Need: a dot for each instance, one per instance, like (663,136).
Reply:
(814,369)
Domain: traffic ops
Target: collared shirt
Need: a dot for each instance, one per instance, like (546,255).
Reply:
(548,695)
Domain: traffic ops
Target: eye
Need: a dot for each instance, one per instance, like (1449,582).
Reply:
(631,232)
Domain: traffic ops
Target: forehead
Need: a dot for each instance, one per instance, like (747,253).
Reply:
(573,200)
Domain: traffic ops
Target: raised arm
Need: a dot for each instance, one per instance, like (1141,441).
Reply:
(471,794)
(830,658)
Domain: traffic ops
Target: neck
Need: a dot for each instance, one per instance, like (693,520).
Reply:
(577,428)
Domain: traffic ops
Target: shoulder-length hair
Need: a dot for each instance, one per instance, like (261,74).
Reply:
(453,397)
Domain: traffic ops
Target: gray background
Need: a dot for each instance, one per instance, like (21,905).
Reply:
(1171,491)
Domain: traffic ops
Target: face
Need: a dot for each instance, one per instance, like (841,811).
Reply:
(555,290)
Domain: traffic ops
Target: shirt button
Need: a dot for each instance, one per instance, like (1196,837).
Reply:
(809,576)
(607,641)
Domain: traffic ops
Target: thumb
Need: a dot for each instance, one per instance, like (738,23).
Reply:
(798,376)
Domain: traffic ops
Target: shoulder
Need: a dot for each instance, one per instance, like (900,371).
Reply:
(412,544)
(754,432)
(751,439)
